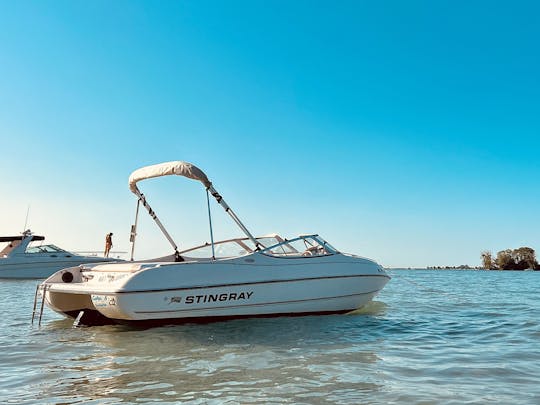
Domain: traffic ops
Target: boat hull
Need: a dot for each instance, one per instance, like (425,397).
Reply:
(251,286)
(320,295)
(91,317)
(39,269)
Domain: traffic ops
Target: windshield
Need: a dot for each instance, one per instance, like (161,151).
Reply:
(305,246)
(231,247)
(44,249)
(274,245)
(221,250)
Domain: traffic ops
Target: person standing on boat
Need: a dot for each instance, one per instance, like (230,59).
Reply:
(108,244)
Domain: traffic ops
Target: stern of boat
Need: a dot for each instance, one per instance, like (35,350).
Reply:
(86,293)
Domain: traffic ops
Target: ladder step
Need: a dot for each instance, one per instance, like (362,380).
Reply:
(43,288)
(35,303)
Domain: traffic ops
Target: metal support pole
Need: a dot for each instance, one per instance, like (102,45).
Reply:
(210,223)
(156,219)
(133,234)
(229,211)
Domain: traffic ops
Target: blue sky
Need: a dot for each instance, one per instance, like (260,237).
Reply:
(408,132)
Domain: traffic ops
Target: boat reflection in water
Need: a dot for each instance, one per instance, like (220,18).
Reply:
(243,277)
(243,361)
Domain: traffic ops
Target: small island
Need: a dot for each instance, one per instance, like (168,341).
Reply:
(523,258)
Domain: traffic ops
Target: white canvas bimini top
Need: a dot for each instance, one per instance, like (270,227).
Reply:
(166,169)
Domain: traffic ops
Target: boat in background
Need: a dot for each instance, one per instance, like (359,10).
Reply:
(20,260)
(235,278)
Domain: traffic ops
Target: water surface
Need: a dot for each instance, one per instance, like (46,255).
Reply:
(431,336)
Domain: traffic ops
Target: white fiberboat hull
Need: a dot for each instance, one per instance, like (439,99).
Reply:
(40,269)
(178,293)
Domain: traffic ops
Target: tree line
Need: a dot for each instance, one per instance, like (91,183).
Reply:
(510,259)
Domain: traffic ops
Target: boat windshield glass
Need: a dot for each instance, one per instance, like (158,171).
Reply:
(230,248)
(305,246)
(44,249)
(221,249)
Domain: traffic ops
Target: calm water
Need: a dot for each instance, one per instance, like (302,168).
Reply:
(430,337)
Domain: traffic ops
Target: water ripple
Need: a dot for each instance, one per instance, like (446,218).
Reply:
(431,337)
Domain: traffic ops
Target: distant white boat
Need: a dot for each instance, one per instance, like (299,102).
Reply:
(20,260)
(242,277)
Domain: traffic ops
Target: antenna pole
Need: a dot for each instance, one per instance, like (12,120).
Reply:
(26,219)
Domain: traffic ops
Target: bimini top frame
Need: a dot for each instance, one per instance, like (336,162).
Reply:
(184,169)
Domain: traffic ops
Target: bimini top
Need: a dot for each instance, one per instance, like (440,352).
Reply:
(190,171)
(178,168)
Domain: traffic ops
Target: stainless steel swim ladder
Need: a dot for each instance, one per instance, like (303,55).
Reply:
(40,289)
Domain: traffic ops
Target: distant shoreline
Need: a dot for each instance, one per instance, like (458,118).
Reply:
(456,268)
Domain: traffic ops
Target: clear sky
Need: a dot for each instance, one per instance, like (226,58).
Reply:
(404,131)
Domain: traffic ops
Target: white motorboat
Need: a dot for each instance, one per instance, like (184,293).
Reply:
(243,277)
(20,259)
